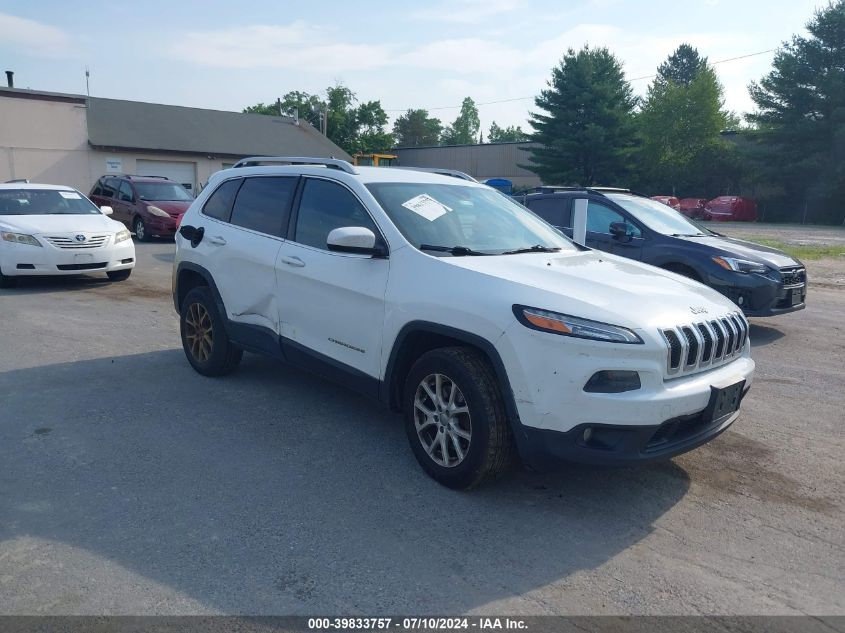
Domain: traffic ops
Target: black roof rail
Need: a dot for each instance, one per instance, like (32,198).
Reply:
(454,173)
(331,163)
(18,180)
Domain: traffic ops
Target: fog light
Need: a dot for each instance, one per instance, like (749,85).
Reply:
(613,381)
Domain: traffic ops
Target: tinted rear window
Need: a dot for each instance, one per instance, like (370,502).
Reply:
(263,204)
(219,203)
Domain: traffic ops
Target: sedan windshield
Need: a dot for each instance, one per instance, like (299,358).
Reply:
(163,191)
(44,202)
(458,220)
(657,216)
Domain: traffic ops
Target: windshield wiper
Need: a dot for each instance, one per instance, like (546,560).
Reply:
(537,248)
(454,250)
(689,234)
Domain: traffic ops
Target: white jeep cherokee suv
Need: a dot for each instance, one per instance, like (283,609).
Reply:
(441,297)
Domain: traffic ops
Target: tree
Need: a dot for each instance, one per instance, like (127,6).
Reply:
(680,124)
(586,131)
(681,67)
(308,107)
(800,140)
(415,128)
(464,129)
(372,135)
(505,134)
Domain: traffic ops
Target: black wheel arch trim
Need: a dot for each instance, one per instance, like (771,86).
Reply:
(202,272)
(389,389)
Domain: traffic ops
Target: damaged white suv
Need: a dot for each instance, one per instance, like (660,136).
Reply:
(487,328)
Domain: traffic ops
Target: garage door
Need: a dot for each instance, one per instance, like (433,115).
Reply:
(179,171)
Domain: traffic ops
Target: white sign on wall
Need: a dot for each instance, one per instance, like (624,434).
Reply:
(114,165)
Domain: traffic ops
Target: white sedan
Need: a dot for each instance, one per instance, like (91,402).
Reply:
(55,230)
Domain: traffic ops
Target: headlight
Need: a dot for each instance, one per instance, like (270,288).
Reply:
(565,325)
(740,265)
(121,236)
(159,212)
(20,238)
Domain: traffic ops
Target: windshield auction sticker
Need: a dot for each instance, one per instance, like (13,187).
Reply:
(70,195)
(426,206)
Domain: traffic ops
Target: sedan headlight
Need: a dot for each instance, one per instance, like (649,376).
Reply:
(565,325)
(19,238)
(121,236)
(740,265)
(159,212)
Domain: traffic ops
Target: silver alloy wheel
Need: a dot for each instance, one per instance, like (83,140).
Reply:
(442,420)
(139,229)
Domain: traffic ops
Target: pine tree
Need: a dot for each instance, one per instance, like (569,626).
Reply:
(586,131)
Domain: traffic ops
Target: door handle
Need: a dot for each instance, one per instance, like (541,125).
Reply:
(292,261)
(217,240)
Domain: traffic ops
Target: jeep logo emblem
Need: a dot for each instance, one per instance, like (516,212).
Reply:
(698,309)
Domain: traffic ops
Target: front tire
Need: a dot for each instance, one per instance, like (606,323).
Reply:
(119,275)
(455,418)
(140,228)
(204,336)
(7,282)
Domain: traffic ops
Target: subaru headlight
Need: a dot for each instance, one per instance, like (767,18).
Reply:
(19,238)
(740,265)
(159,212)
(121,236)
(566,325)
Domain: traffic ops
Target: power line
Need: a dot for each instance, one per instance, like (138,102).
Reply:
(456,107)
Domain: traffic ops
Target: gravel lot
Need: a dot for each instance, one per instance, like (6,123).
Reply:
(131,485)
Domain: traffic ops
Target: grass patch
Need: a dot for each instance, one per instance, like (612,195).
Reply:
(801,251)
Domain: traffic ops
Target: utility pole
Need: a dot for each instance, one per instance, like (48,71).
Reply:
(87,87)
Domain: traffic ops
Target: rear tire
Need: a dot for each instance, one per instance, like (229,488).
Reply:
(119,275)
(7,282)
(140,228)
(460,436)
(204,337)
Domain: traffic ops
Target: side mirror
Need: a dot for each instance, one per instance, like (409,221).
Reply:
(619,231)
(355,239)
(106,210)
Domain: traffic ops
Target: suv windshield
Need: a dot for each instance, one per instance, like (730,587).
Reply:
(474,219)
(657,216)
(162,191)
(44,202)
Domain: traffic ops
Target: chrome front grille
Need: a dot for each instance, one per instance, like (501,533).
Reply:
(698,346)
(70,241)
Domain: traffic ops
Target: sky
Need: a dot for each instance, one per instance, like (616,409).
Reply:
(228,55)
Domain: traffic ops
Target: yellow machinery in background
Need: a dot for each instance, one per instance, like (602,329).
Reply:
(375,160)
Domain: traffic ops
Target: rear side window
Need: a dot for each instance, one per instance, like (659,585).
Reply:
(125,192)
(326,206)
(219,203)
(551,210)
(110,186)
(98,188)
(263,204)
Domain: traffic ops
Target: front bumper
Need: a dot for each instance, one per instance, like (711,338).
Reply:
(18,260)
(617,445)
(163,227)
(760,295)
(547,375)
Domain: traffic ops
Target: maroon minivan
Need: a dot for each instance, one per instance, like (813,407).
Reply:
(148,205)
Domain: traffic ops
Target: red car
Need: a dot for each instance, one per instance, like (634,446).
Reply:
(731,209)
(671,201)
(147,205)
(693,207)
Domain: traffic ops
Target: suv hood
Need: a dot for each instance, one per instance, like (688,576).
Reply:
(602,287)
(741,249)
(58,223)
